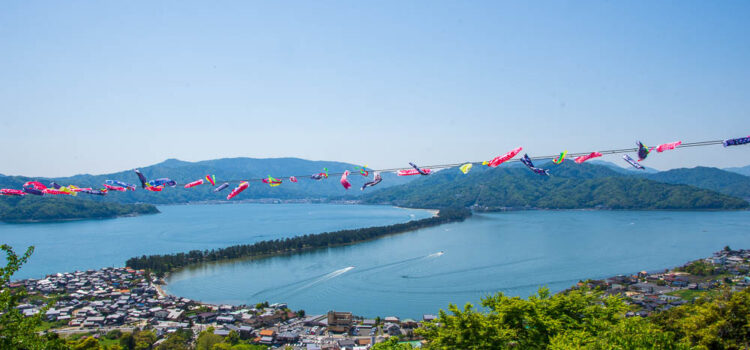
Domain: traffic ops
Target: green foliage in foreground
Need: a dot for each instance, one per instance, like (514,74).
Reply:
(584,319)
(721,322)
(392,343)
(17,331)
(48,208)
(168,262)
(207,340)
(576,319)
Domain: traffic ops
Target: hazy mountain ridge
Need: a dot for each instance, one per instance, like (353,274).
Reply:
(714,179)
(570,186)
(745,170)
(517,177)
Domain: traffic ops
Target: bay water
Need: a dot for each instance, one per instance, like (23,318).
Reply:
(516,253)
(407,275)
(92,244)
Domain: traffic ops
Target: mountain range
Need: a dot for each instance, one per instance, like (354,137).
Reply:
(714,179)
(227,169)
(730,181)
(595,184)
(570,186)
(745,170)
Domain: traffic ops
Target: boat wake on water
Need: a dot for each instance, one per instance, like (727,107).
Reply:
(303,284)
(284,290)
(324,278)
(283,286)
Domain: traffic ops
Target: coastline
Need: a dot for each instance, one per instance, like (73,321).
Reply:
(612,285)
(434,212)
(179,291)
(513,209)
(183,284)
(168,262)
(159,290)
(52,221)
(164,279)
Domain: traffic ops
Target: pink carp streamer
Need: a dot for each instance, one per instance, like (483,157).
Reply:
(56,191)
(115,188)
(344,181)
(668,146)
(582,159)
(504,158)
(409,172)
(11,192)
(194,183)
(38,189)
(243,186)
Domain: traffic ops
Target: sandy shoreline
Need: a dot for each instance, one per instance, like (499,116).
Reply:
(161,291)
(434,212)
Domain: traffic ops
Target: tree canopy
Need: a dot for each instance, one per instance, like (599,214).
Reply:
(167,262)
(571,186)
(17,331)
(32,209)
(586,319)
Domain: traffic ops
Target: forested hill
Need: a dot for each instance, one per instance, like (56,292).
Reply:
(37,209)
(729,181)
(632,189)
(718,180)
(571,186)
(224,169)
(745,170)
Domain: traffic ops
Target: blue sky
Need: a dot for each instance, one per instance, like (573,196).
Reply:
(96,87)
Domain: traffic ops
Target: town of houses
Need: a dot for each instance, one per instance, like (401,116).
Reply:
(98,301)
(649,292)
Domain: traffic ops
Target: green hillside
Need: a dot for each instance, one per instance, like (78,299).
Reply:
(745,170)
(718,180)
(571,186)
(588,185)
(36,209)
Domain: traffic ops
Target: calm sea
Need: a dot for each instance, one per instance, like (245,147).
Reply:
(406,275)
(515,253)
(92,244)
